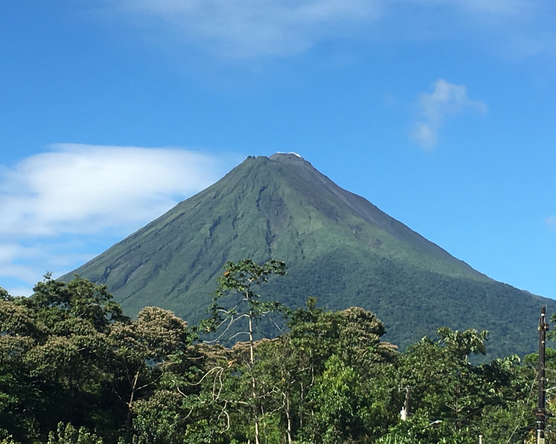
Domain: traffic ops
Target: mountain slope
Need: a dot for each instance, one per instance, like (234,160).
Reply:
(338,247)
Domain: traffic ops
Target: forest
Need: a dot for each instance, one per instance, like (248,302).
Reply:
(75,370)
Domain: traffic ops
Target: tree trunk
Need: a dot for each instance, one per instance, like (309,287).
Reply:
(253,382)
(130,403)
(288,418)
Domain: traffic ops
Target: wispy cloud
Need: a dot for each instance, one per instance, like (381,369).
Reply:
(56,199)
(84,188)
(494,7)
(9,253)
(250,28)
(446,100)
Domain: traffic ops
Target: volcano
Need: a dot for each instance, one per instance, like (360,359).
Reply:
(338,247)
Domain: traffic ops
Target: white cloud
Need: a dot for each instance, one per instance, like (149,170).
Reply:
(425,134)
(251,28)
(14,260)
(503,8)
(85,188)
(446,100)
(59,200)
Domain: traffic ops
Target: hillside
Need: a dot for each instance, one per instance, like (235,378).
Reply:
(337,245)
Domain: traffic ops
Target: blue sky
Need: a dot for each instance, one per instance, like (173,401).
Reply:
(440,112)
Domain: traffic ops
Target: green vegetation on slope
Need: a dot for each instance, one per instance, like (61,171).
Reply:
(342,249)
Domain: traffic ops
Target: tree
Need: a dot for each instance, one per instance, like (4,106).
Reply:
(454,400)
(142,352)
(54,357)
(237,286)
(53,301)
(337,393)
(4,295)
(325,378)
(18,397)
(68,434)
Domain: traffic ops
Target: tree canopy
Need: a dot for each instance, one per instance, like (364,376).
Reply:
(74,369)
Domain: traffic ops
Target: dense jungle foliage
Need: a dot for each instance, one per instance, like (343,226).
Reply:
(75,370)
